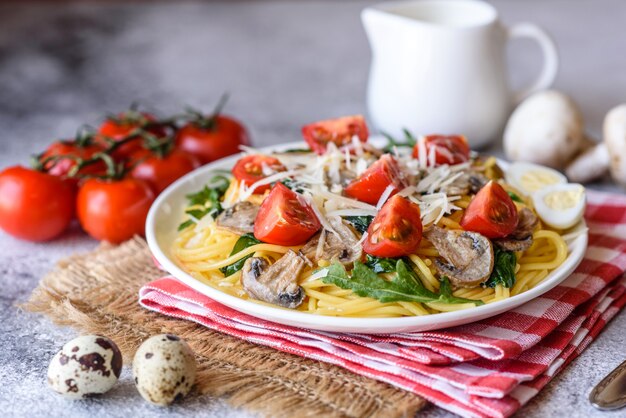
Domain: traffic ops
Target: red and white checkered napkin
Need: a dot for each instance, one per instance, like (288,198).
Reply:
(487,368)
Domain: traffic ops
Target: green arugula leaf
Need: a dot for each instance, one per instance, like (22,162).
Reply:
(245,241)
(405,286)
(360,223)
(209,198)
(380,264)
(409,141)
(515,197)
(503,269)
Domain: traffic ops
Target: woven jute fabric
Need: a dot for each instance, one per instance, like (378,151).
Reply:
(97,292)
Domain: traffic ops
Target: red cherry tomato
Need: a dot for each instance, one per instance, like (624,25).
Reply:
(121,126)
(161,172)
(210,144)
(114,211)
(396,231)
(491,212)
(339,131)
(284,219)
(34,206)
(69,148)
(249,169)
(370,185)
(448,149)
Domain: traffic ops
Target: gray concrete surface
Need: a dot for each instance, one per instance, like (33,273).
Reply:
(285,63)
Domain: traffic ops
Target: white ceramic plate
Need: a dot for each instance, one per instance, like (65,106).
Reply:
(167,213)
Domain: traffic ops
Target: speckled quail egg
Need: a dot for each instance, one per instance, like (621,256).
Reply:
(85,366)
(529,178)
(560,205)
(164,368)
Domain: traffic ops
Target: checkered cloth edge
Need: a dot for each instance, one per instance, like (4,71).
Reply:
(488,368)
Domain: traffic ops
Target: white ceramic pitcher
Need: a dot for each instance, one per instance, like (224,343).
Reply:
(439,66)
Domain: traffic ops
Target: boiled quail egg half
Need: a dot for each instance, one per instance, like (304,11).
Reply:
(561,206)
(529,178)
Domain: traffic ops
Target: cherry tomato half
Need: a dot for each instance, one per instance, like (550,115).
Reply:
(396,230)
(339,131)
(210,144)
(448,149)
(284,219)
(249,169)
(161,172)
(34,206)
(491,212)
(370,185)
(114,211)
(122,125)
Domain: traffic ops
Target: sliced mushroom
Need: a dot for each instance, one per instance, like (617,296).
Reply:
(276,283)
(239,218)
(342,245)
(522,238)
(468,256)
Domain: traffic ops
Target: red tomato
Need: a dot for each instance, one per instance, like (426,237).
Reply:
(249,169)
(120,127)
(114,211)
(161,172)
(210,144)
(284,219)
(70,148)
(448,149)
(339,130)
(34,206)
(491,212)
(396,231)
(370,185)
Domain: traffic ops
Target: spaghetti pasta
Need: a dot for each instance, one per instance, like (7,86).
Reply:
(204,249)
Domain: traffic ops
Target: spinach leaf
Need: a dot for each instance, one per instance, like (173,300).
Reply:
(360,223)
(503,269)
(515,197)
(245,241)
(297,150)
(380,264)
(291,184)
(405,286)
(209,198)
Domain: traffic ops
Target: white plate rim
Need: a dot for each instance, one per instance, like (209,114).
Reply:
(331,323)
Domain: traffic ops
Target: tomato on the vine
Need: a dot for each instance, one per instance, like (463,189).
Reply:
(250,169)
(114,210)
(396,230)
(34,206)
(65,150)
(159,171)
(212,138)
(118,127)
(491,212)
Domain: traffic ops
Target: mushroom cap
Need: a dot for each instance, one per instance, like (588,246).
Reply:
(615,140)
(546,128)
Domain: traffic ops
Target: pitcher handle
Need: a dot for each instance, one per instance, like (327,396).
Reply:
(550,57)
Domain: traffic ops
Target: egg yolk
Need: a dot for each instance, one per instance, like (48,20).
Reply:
(563,200)
(534,180)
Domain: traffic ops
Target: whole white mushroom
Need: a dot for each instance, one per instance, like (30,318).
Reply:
(608,155)
(546,128)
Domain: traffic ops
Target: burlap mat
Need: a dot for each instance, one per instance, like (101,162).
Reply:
(97,293)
